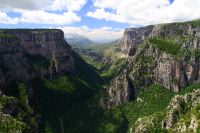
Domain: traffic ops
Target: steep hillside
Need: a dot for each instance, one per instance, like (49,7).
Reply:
(41,79)
(166,54)
(181,115)
(77,40)
(26,54)
(146,82)
(107,58)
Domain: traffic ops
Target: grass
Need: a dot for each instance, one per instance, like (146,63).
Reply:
(7,36)
(167,46)
(190,88)
(23,112)
(88,73)
(154,98)
(113,70)
(96,63)
(99,49)
(89,117)
(23,98)
(57,95)
(92,119)
(8,123)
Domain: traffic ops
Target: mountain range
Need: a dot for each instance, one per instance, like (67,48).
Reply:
(148,81)
(78,40)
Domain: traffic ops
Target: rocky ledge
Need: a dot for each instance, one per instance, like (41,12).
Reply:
(182,115)
(166,54)
(28,53)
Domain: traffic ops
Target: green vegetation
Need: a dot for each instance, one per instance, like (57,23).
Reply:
(167,46)
(194,23)
(190,88)
(22,94)
(144,60)
(8,123)
(26,114)
(38,62)
(158,116)
(197,54)
(99,49)
(155,98)
(74,100)
(92,119)
(89,117)
(88,73)
(4,100)
(113,70)
(7,36)
(112,62)
(21,111)
(58,94)
(185,118)
(92,61)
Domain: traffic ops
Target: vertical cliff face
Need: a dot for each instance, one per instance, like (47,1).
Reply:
(12,60)
(181,115)
(133,37)
(26,54)
(163,54)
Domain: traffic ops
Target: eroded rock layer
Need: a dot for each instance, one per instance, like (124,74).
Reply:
(168,55)
(26,53)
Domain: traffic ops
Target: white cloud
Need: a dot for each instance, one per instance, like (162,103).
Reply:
(24,4)
(104,34)
(4,19)
(41,11)
(42,17)
(102,14)
(144,12)
(71,5)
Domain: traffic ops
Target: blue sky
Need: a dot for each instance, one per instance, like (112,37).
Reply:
(95,19)
(85,20)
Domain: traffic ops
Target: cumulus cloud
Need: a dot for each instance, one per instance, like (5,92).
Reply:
(42,17)
(145,12)
(71,5)
(41,11)
(24,4)
(5,19)
(104,34)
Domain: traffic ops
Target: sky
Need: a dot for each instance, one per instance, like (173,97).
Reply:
(99,20)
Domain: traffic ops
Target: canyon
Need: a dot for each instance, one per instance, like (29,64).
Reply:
(148,81)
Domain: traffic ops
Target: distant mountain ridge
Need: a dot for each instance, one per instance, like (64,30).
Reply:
(75,39)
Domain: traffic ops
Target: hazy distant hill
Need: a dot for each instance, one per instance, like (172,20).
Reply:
(75,39)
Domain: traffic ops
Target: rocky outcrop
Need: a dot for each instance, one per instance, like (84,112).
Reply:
(133,37)
(165,54)
(27,53)
(119,92)
(178,106)
(182,115)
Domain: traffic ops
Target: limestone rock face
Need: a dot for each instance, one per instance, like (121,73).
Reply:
(27,53)
(133,37)
(119,91)
(179,105)
(173,62)
(182,115)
